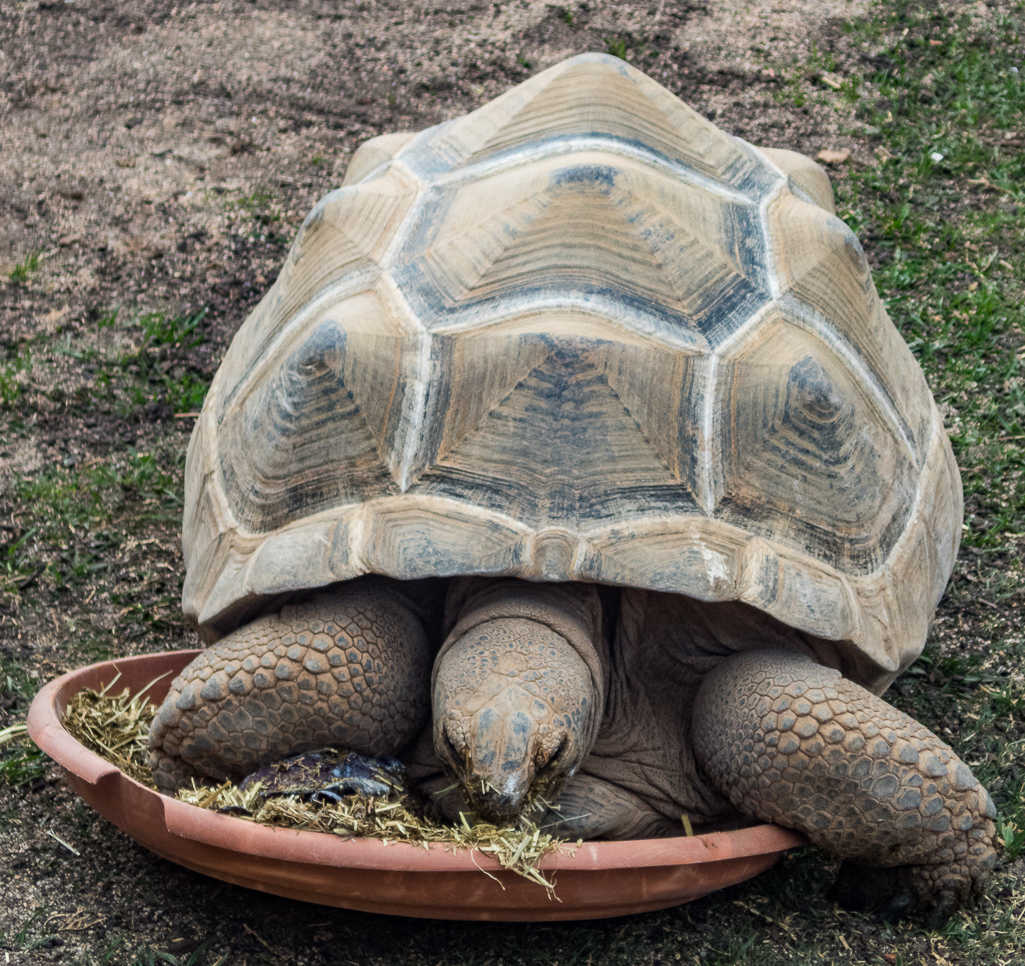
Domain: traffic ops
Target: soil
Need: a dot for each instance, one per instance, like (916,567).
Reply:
(159,156)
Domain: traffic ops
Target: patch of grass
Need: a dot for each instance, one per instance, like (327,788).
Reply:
(616,46)
(22,941)
(1012,839)
(175,331)
(158,369)
(259,206)
(21,763)
(65,512)
(25,267)
(10,387)
(17,687)
(148,956)
(133,363)
(262,215)
(252,203)
(109,319)
(167,342)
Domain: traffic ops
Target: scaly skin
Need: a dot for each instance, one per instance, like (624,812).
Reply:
(515,703)
(507,694)
(792,742)
(349,668)
(589,808)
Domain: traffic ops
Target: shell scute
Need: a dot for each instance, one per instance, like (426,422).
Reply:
(827,284)
(420,536)
(560,106)
(590,458)
(799,592)
(690,555)
(594,227)
(806,457)
(312,431)
(284,562)
(341,243)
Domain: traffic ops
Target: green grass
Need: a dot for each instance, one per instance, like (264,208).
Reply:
(616,46)
(62,500)
(22,940)
(25,267)
(10,388)
(260,206)
(167,339)
(21,763)
(152,366)
(32,935)
(109,319)
(148,956)
(68,516)
(177,331)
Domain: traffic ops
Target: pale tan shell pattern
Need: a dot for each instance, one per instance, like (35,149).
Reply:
(579,334)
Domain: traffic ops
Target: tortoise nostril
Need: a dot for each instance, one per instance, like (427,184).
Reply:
(459,757)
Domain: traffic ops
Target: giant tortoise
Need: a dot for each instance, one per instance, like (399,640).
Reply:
(573,452)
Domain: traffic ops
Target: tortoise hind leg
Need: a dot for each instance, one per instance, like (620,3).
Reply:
(350,667)
(792,742)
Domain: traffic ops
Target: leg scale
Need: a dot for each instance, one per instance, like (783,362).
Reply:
(792,742)
(349,668)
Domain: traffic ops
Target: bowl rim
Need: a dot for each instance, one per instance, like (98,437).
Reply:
(191,822)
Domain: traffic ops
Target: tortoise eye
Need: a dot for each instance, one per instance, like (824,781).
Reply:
(553,759)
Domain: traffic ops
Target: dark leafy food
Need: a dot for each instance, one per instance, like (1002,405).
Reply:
(329,775)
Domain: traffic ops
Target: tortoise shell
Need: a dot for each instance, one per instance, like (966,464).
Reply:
(579,334)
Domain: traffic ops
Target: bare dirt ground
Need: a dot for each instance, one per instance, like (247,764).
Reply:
(156,159)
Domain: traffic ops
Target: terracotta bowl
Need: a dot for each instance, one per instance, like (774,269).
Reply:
(600,879)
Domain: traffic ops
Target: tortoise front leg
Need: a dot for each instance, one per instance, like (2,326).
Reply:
(792,742)
(591,808)
(349,668)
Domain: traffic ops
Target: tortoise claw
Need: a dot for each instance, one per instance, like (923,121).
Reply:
(897,908)
(862,888)
(893,894)
(947,904)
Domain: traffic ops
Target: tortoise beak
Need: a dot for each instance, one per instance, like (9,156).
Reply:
(498,753)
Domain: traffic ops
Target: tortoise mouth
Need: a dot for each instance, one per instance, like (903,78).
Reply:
(502,792)
(507,807)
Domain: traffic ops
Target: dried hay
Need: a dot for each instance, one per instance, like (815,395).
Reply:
(116,727)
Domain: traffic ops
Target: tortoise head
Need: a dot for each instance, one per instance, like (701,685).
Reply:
(516,710)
